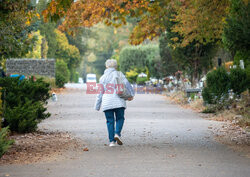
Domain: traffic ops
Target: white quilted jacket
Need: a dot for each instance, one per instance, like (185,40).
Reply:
(111,101)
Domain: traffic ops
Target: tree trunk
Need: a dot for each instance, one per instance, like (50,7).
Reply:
(195,73)
(233,53)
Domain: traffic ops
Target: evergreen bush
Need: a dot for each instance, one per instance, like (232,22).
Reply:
(23,117)
(207,95)
(219,82)
(217,86)
(62,73)
(238,80)
(5,143)
(24,103)
(60,80)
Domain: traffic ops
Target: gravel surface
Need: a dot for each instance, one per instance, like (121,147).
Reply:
(160,139)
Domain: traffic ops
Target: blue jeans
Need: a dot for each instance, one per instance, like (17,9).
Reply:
(112,116)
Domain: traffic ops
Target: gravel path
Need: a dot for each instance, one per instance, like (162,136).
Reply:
(160,139)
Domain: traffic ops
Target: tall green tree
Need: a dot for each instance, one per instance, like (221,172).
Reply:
(80,40)
(103,43)
(144,58)
(48,30)
(168,65)
(236,36)
(41,6)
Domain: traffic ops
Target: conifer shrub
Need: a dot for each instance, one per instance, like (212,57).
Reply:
(5,143)
(60,80)
(62,73)
(219,82)
(24,103)
(217,86)
(238,80)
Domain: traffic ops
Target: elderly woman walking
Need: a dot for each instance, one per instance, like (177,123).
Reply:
(112,101)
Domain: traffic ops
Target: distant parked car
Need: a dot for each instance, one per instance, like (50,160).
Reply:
(91,78)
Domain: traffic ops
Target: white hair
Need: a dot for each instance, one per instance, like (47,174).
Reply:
(111,63)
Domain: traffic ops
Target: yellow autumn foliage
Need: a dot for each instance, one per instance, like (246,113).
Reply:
(200,20)
(36,51)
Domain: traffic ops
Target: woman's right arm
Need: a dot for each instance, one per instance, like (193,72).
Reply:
(98,101)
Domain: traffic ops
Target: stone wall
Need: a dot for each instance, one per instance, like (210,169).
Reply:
(43,67)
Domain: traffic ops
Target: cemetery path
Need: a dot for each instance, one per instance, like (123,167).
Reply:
(160,139)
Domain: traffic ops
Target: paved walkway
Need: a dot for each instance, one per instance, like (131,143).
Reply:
(160,139)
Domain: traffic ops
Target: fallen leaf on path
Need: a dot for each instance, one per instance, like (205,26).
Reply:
(172,155)
(85,149)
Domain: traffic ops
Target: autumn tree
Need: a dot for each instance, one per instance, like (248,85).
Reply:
(200,20)
(90,12)
(194,58)
(69,53)
(196,28)
(40,47)
(41,6)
